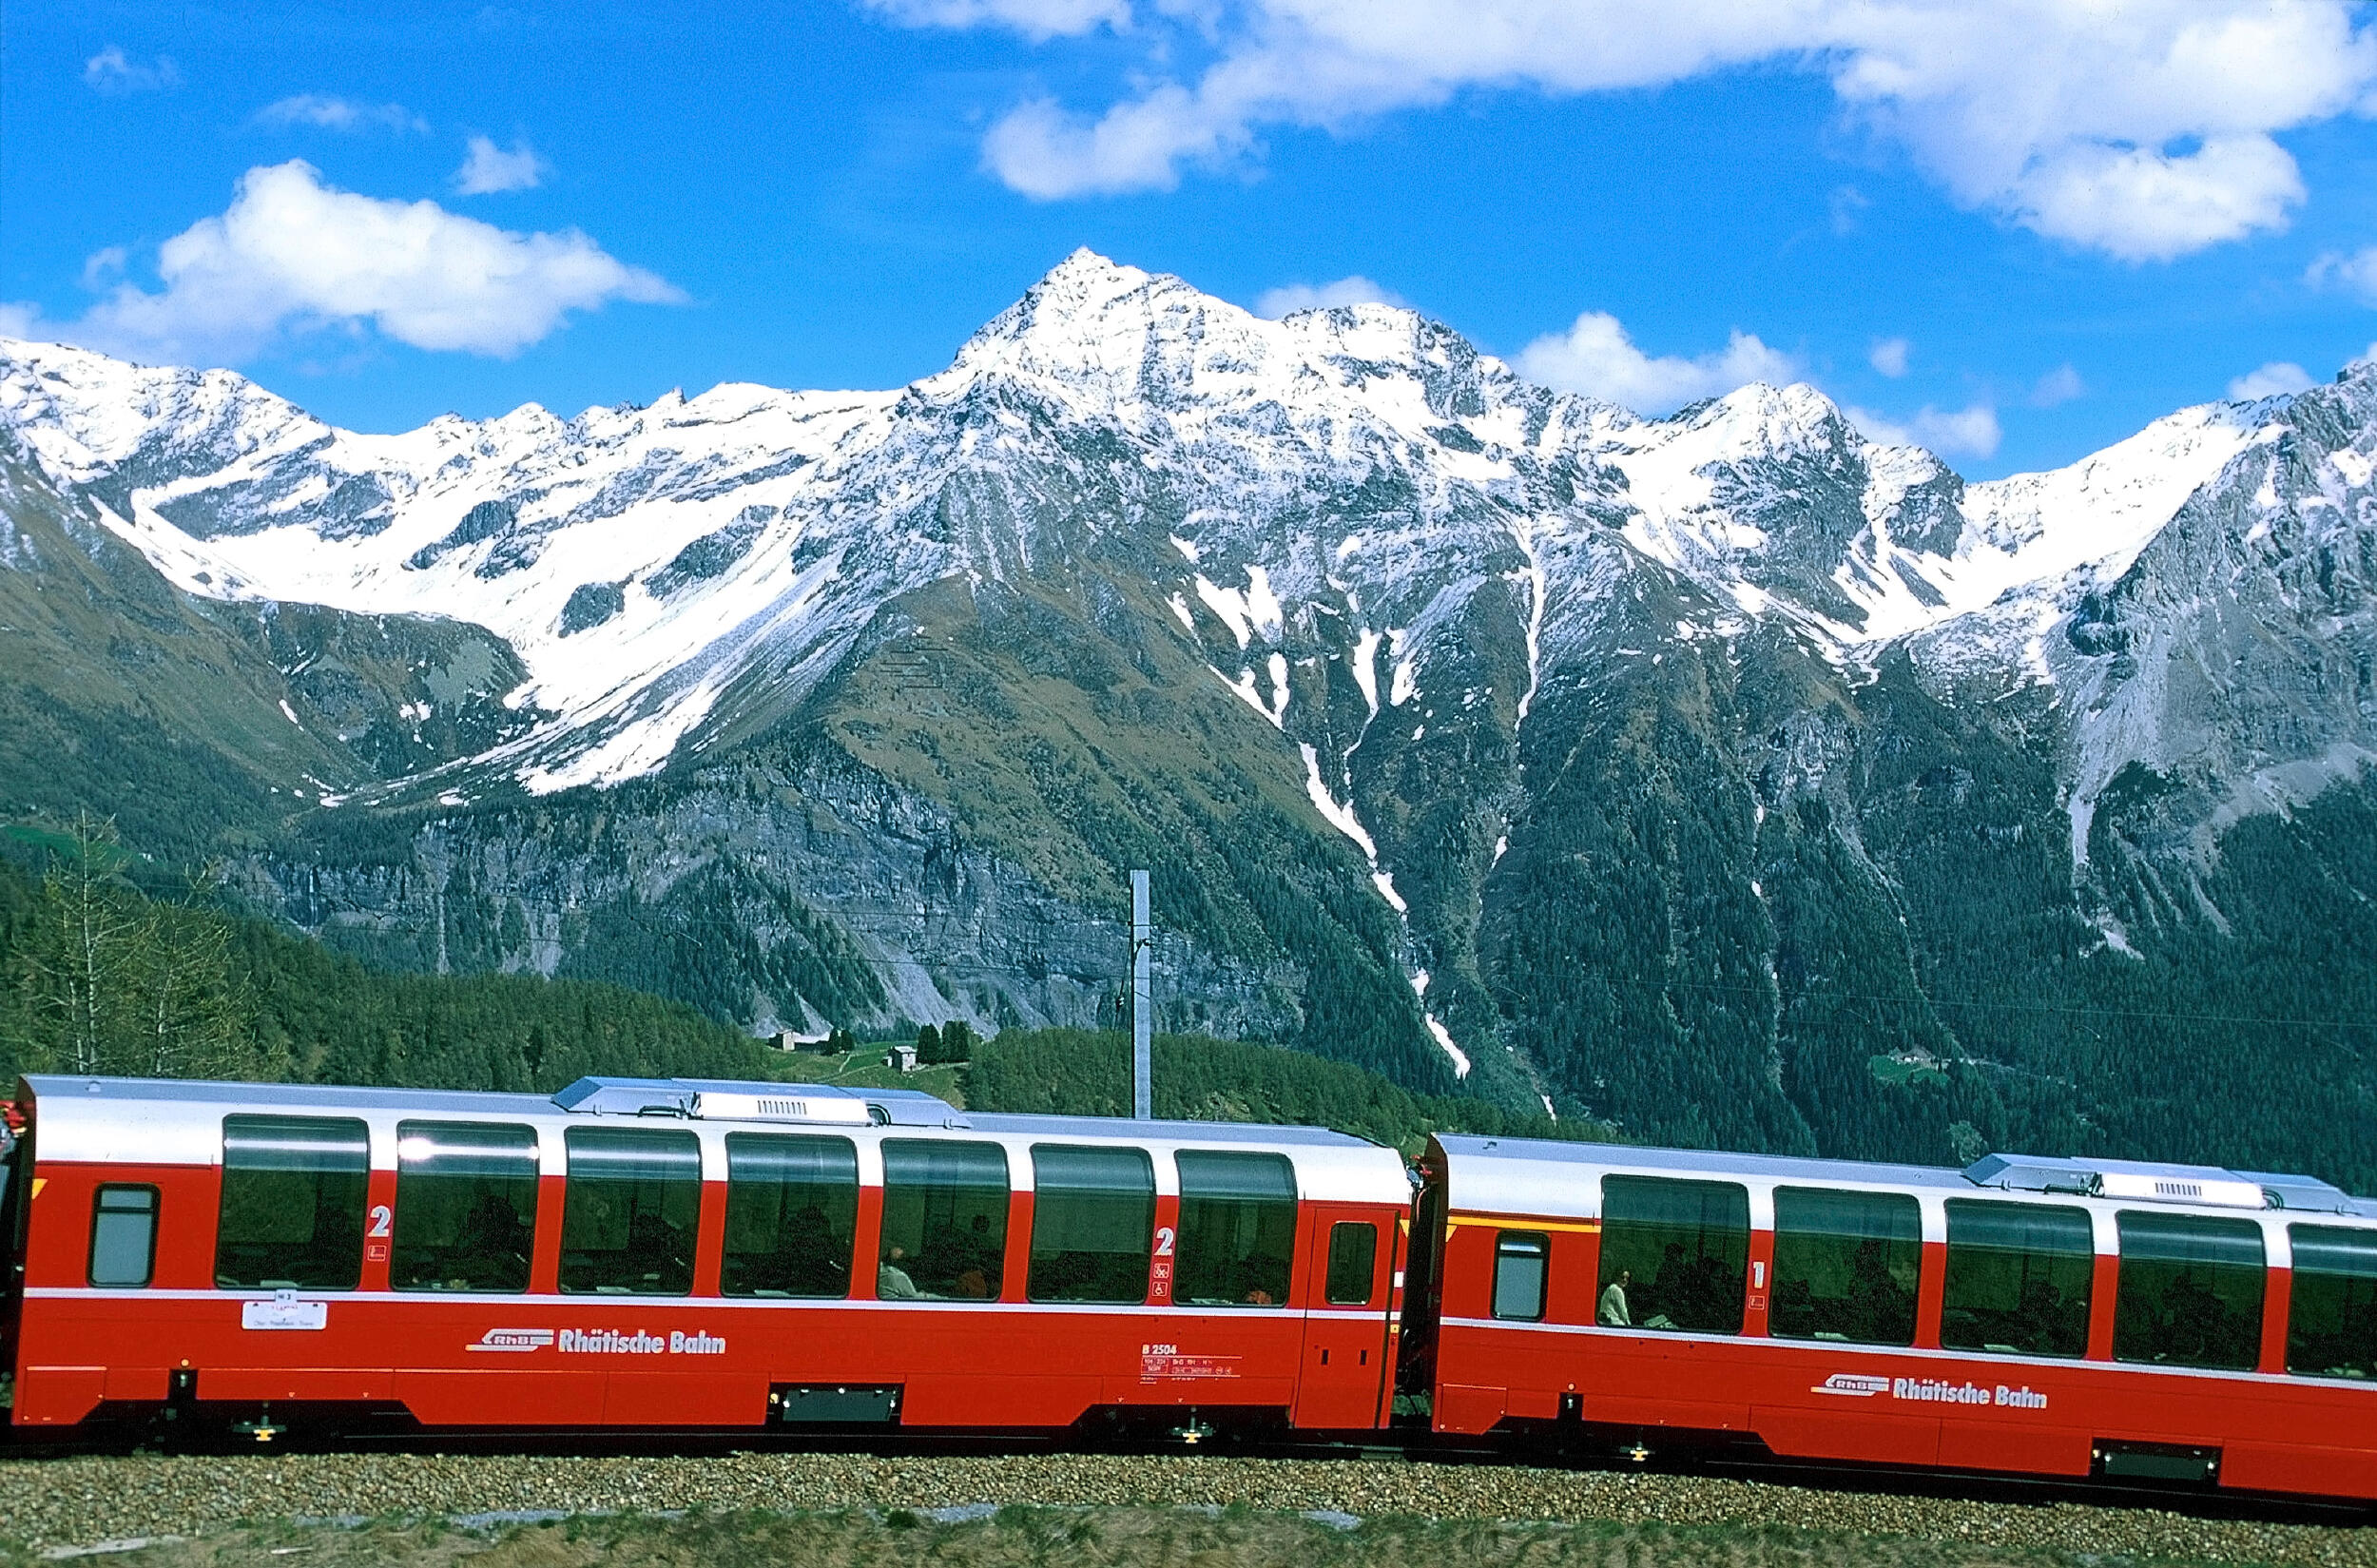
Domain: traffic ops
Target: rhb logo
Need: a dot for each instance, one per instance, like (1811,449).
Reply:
(1860,1385)
(514,1340)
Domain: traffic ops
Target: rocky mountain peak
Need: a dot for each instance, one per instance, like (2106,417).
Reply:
(85,413)
(1088,321)
(1117,342)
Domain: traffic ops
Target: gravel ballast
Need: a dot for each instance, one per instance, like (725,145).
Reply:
(86,1499)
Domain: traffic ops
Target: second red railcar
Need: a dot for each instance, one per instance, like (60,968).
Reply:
(2040,1316)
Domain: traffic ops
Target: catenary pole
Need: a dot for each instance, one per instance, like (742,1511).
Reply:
(1142,1009)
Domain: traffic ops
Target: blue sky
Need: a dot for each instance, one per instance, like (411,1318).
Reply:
(2017,232)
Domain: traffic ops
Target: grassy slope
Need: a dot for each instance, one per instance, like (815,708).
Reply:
(1079,737)
(201,727)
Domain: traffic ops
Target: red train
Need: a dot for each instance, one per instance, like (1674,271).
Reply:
(678,1253)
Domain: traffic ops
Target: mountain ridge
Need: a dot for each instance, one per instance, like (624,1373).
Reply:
(1432,695)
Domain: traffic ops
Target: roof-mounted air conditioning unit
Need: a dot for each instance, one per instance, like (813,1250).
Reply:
(727,1105)
(2126,1179)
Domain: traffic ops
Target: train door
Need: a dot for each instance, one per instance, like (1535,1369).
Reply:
(1349,1284)
(16,1199)
(1421,1303)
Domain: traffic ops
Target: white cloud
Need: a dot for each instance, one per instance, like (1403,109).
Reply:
(324,114)
(1596,356)
(1845,204)
(1965,432)
(1889,357)
(2357,272)
(1290,298)
(22,320)
(2058,387)
(1040,150)
(490,170)
(292,253)
(112,71)
(2273,380)
(2143,130)
(103,266)
(2143,205)
(1035,19)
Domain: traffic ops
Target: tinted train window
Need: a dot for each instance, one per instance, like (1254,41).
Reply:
(792,1215)
(1521,1259)
(1237,1229)
(466,1206)
(630,1211)
(1845,1266)
(2332,1327)
(2019,1279)
(123,1236)
(944,1220)
(1092,1223)
(2191,1291)
(1353,1260)
(292,1214)
(1675,1252)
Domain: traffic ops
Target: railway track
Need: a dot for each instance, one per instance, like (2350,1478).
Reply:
(57,1496)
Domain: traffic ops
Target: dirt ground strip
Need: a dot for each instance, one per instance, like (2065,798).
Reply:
(1083,1537)
(871,1508)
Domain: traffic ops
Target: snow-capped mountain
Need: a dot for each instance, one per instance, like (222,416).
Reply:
(638,560)
(1511,677)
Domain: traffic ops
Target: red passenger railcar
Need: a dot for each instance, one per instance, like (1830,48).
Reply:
(2052,1317)
(653,1253)
(673,1254)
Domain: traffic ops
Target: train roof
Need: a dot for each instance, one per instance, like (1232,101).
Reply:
(1534,1175)
(1269,1135)
(713,1100)
(178,1121)
(54,1089)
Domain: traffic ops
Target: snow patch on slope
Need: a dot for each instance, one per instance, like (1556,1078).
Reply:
(1340,815)
(1443,1037)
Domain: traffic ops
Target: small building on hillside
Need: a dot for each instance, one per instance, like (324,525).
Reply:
(901,1058)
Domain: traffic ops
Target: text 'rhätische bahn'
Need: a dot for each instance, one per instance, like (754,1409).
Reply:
(679,1254)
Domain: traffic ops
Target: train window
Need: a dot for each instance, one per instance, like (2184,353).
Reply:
(1520,1264)
(792,1215)
(1674,1255)
(2332,1324)
(292,1215)
(466,1206)
(944,1233)
(2019,1279)
(123,1236)
(2191,1291)
(629,1213)
(1092,1223)
(1845,1266)
(1353,1260)
(1237,1229)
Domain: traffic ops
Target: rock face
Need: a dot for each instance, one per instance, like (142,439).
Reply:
(1729,776)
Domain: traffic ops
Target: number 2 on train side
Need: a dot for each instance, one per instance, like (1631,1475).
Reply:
(1163,1241)
(381,1214)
